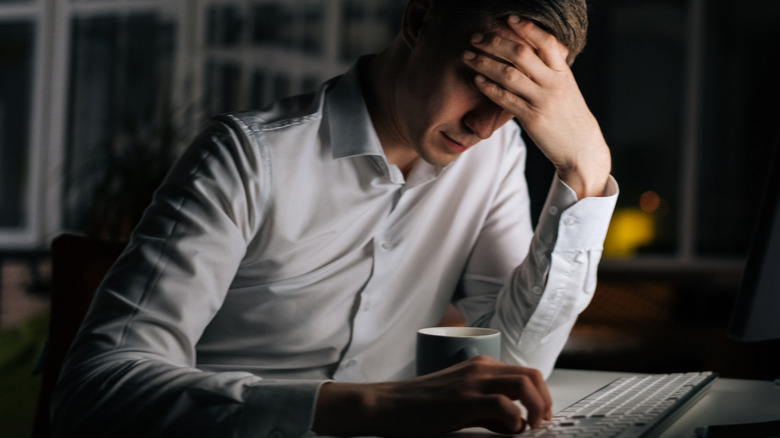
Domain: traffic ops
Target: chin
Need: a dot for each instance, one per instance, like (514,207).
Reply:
(440,158)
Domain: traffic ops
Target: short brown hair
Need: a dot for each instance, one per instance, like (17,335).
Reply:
(566,20)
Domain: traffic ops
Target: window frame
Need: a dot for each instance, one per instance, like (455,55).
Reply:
(28,235)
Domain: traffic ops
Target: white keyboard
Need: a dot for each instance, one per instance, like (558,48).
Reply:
(636,406)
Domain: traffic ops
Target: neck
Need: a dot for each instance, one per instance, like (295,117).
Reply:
(380,79)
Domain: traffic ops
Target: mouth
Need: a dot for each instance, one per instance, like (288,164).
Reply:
(454,146)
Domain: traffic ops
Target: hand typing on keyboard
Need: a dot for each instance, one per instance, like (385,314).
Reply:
(479,392)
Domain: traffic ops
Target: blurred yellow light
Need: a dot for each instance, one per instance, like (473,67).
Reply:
(630,229)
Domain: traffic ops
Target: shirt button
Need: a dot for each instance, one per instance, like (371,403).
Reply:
(385,246)
(569,221)
(367,307)
(553,210)
(537,290)
(350,363)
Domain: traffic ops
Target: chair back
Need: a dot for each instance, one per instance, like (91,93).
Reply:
(78,266)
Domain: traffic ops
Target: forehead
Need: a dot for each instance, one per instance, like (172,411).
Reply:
(465,21)
(454,37)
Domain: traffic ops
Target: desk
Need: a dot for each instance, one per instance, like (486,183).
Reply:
(728,401)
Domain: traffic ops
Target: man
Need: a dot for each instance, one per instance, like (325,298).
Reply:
(275,284)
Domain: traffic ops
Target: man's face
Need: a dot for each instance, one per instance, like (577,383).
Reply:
(445,113)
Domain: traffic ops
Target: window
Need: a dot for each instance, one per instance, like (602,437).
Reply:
(99,87)
(16,66)
(258,51)
(21,92)
(121,68)
(366,27)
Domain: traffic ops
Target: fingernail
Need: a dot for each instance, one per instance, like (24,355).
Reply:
(514,19)
(480,79)
(469,55)
(477,38)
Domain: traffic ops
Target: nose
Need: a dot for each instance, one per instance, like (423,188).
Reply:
(484,119)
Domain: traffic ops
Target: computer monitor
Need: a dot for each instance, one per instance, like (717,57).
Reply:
(756,313)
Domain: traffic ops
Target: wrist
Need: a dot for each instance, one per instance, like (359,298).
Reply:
(344,409)
(588,176)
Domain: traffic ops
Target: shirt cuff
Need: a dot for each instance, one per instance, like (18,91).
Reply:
(276,409)
(566,223)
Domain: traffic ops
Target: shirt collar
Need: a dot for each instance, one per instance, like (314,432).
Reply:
(351,131)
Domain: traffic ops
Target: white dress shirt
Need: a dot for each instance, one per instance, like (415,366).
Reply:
(283,250)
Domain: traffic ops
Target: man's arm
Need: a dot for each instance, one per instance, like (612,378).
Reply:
(131,370)
(533,293)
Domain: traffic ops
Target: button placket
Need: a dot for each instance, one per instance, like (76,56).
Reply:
(363,322)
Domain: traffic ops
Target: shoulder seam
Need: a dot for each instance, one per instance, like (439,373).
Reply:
(259,125)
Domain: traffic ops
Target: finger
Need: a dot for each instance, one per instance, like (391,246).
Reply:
(506,76)
(500,414)
(519,103)
(522,388)
(510,385)
(550,50)
(538,379)
(513,53)
(533,401)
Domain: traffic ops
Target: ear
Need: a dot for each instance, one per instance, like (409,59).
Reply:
(415,17)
